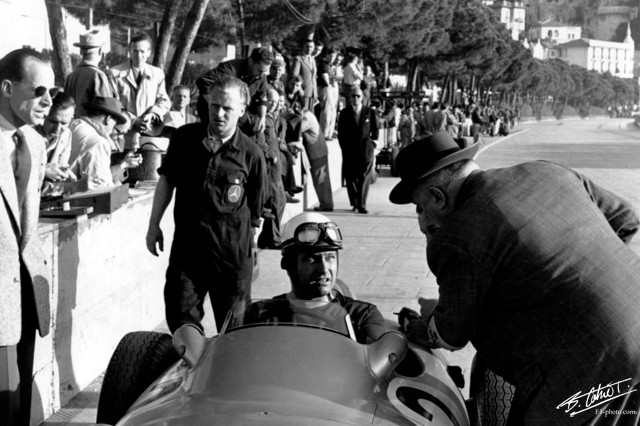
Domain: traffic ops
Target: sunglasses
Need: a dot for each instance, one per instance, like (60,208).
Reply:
(309,234)
(356,96)
(39,91)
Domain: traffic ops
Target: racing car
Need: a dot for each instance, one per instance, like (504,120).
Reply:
(275,363)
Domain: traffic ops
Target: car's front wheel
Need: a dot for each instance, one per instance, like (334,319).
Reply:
(139,358)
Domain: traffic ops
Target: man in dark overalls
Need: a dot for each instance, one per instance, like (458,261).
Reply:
(219,175)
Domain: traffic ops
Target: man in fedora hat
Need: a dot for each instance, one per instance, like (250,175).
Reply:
(534,268)
(91,147)
(88,80)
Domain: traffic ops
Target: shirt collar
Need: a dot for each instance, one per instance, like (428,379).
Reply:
(233,140)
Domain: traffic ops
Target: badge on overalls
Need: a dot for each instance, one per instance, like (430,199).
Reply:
(235,192)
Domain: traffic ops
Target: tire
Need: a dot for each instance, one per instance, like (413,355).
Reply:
(138,360)
(493,395)
(392,162)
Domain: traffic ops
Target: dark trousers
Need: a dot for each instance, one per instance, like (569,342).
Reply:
(322,181)
(16,371)
(271,234)
(288,176)
(215,261)
(357,180)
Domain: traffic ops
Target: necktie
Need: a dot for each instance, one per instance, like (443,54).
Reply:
(22,165)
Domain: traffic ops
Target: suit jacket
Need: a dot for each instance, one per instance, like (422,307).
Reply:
(533,269)
(356,139)
(22,261)
(85,83)
(150,96)
(306,69)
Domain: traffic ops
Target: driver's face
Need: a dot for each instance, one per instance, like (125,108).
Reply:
(316,274)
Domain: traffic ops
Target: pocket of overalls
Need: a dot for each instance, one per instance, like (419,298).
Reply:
(233,190)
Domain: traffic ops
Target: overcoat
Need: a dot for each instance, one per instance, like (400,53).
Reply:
(533,269)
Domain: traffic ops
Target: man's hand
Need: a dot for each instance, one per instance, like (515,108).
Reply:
(144,123)
(83,184)
(131,160)
(154,235)
(417,331)
(295,147)
(57,173)
(262,124)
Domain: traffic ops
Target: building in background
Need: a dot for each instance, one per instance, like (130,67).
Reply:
(555,32)
(511,14)
(601,56)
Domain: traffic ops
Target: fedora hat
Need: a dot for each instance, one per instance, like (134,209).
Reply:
(90,39)
(111,106)
(424,157)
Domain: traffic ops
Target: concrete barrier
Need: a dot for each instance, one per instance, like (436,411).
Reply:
(104,284)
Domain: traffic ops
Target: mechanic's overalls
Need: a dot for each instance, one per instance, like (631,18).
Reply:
(211,251)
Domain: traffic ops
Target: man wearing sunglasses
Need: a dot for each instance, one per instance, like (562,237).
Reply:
(357,135)
(25,99)
(310,257)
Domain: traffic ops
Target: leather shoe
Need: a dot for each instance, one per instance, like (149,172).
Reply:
(297,190)
(323,209)
(362,210)
(292,200)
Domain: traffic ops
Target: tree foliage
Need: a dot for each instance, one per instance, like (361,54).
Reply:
(458,44)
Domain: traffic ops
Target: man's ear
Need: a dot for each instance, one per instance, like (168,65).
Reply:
(6,88)
(440,197)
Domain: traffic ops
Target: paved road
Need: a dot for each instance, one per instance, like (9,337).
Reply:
(384,255)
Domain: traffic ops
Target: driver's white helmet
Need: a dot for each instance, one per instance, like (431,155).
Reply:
(311,231)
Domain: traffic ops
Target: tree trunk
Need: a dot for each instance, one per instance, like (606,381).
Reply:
(445,89)
(455,98)
(185,41)
(414,75)
(58,31)
(171,11)
(243,52)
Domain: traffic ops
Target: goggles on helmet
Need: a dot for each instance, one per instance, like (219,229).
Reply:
(320,235)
